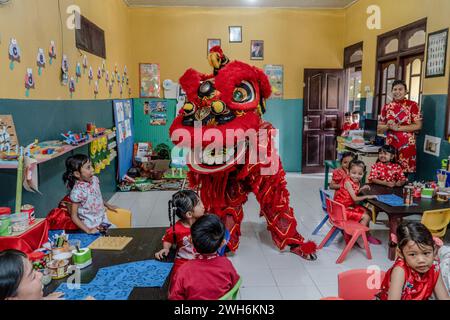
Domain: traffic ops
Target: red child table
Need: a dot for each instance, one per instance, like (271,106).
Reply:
(28,241)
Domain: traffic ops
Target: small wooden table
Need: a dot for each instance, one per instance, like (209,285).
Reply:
(146,242)
(396,214)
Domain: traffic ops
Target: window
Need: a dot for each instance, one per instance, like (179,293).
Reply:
(353,56)
(400,55)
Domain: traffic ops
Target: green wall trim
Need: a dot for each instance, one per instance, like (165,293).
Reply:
(287,117)
(46,120)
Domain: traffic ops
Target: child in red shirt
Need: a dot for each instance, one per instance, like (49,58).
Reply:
(355,121)
(187,206)
(416,274)
(209,276)
(348,196)
(341,173)
(347,126)
(386,171)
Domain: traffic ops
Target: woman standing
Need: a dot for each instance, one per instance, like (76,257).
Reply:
(401,119)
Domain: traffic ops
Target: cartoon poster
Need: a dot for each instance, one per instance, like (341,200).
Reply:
(150,82)
(158,119)
(275,74)
(158,107)
(120,112)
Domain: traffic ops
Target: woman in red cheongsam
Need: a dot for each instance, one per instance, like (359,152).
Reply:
(401,119)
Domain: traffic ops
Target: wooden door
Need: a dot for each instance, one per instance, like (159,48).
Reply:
(322,116)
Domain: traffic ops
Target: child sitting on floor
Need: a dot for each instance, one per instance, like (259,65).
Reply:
(416,274)
(347,195)
(386,171)
(209,276)
(88,208)
(341,173)
(188,207)
(18,280)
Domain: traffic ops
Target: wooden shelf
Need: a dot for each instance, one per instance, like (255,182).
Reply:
(67,148)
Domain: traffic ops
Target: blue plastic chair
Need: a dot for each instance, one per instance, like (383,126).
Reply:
(323,197)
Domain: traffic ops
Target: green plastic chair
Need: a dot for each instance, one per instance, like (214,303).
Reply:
(232,294)
(330,164)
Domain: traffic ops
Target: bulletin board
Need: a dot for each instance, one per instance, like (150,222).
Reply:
(152,120)
(123,118)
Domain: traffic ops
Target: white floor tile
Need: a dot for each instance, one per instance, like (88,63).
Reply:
(260,293)
(257,277)
(300,293)
(292,277)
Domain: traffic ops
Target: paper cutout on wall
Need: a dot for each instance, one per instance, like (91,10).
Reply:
(40,60)
(116,70)
(52,52)
(110,88)
(65,71)
(121,89)
(107,77)
(71,86)
(118,78)
(99,73)
(78,71)
(123,79)
(90,74)
(103,67)
(96,88)
(30,177)
(125,70)
(29,81)
(85,63)
(14,52)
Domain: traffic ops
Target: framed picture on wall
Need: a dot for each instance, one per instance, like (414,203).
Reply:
(437,54)
(212,43)
(149,80)
(257,50)
(235,33)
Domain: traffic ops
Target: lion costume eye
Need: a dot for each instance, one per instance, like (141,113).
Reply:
(243,93)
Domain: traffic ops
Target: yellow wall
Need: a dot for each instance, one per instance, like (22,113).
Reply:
(177,39)
(395,14)
(34,23)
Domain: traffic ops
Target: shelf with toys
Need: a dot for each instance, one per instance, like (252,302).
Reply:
(57,148)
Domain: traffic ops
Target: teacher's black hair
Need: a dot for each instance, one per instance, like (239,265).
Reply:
(399,82)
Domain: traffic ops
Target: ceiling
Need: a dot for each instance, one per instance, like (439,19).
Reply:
(336,4)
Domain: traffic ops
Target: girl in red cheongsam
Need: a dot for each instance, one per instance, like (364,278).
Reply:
(386,171)
(341,173)
(401,119)
(348,196)
(416,274)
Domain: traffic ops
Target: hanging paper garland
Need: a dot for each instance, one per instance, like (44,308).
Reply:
(118,78)
(121,89)
(65,71)
(29,81)
(103,67)
(123,79)
(110,88)
(78,71)
(40,60)
(52,52)
(107,77)
(116,70)
(125,70)
(14,52)
(99,73)
(71,87)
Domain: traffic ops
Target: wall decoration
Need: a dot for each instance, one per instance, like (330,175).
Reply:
(235,34)
(275,74)
(96,88)
(120,89)
(158,106)
(110,88)
(123,120)
(432,145)
(71,86)
(65,71)
(8,136)
(78,71)
(90,74)
(29,81)
(257,50)
(437,54)
(14,53)
(99,73)
(40,60)
(103,67)
(149,79)
(85,63)
(212,43)
(107,77)
(158,119)
(116,69)
(52,52)
(125,70)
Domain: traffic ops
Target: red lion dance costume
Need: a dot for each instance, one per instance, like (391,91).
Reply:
(233,100)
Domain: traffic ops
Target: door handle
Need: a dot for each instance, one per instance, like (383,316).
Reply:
(305,120)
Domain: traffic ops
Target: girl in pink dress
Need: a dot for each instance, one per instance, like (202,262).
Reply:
(416,274)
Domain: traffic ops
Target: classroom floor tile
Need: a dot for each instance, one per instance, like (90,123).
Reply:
(267,273)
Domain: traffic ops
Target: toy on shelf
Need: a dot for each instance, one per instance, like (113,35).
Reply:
(75,139)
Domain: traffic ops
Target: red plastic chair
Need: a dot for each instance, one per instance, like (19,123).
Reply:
(355,285)
(358,285)
(338,218)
